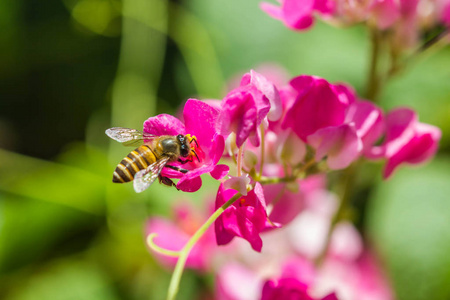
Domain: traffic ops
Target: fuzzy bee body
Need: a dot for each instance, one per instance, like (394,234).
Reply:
(137,160)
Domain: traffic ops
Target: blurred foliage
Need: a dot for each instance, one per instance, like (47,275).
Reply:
(69,69)
(408,219)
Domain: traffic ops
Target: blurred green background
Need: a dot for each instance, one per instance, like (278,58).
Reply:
(69,69)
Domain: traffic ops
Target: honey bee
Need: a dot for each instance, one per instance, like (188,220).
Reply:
(145,163)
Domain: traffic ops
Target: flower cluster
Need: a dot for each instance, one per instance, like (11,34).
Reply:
(284,269)
(282,139)
(405,19)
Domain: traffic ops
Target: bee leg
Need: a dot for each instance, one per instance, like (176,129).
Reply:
(167,181)
(185,161)
(184,171)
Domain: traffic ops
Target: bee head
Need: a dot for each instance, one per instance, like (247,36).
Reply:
(184,147)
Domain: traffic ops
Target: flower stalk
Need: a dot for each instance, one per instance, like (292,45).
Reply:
(184,253)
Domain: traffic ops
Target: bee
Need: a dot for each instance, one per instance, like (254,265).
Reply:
(145,163)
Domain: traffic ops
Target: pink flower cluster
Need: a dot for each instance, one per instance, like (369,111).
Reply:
(333,121)
(407,18)
(284,269)
(307,121)
(276,133)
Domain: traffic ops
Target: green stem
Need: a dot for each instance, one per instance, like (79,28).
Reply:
(184,253)
(347,183)
(273,180)
(239,162)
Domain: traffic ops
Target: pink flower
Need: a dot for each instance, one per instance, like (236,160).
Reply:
(294,283)
(298,14)
(340,144)
(199,121)
(407,140)
(245,218)
(384,13)
(244,108)
(318,104)
(285,288)
(318,115)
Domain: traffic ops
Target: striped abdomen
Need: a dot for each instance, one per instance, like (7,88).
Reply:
(138,159)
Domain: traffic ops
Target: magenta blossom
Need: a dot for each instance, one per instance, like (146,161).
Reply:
(285,288)
(245,218)
(199,121)
(318,116)
(289,289)
(406,141)
(245,108)
(318,104)
(295,282)
(298,14)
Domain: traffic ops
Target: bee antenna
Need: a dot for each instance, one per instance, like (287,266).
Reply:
(194,140)
(196,155)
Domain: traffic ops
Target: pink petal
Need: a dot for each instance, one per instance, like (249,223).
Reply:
(422,146)
(427,144)
(346,93)
(190,185)
(164,125)
(399,129)
(237,183)
(341,145)
(326,7)
(317,106)
(285,288)
(272,10)
(385,12)
(269,90)
(220,171)
(297,14)
(217,147)
(331,296)
(200,119)
(368,120)
(238,114)
(287,207)
(446,14)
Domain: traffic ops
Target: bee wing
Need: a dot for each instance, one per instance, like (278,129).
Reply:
(144,178)
(128,136)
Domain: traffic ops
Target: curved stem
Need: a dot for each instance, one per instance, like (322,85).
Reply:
(159,249)
(184,253)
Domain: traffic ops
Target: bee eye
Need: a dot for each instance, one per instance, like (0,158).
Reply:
(184,151)
(180,137)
